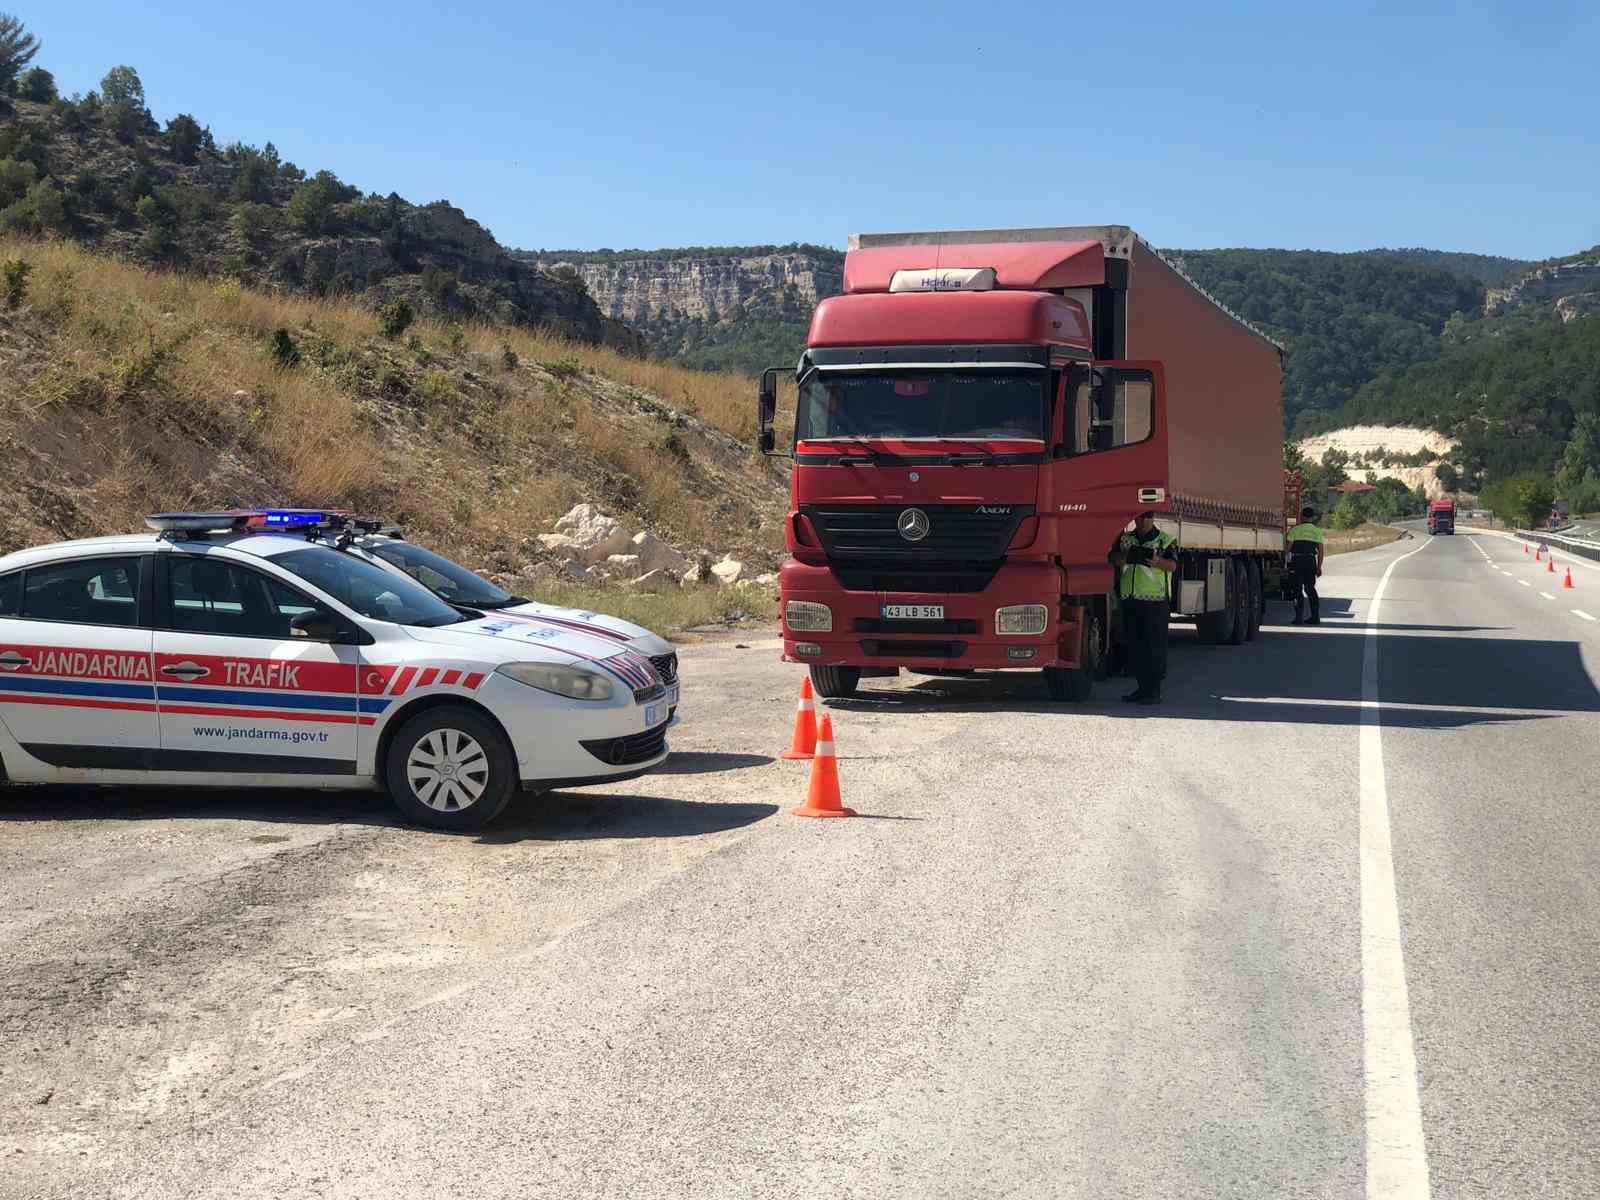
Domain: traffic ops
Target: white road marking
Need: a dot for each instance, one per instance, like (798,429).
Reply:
(1547,595)
(1578,612)
(1397,1158)
(1476,710)
(1524,583)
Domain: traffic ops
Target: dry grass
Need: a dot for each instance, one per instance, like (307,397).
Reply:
(135,389)
(1362,537)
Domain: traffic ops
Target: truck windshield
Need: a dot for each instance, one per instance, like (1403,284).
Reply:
(933,406)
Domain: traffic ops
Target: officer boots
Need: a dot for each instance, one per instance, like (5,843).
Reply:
(1299,613)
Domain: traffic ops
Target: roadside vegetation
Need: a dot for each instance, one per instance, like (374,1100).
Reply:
(1362,537)
(129,389)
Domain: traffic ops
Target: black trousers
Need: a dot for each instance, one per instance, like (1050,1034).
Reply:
(1144,632)
(1303,585)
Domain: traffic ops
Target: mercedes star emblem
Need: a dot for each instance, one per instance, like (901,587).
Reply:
(913,524)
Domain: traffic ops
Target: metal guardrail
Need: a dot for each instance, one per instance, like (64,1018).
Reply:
(1576,546)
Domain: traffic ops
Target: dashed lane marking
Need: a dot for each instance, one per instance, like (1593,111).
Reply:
(1578,612)
(1547,595)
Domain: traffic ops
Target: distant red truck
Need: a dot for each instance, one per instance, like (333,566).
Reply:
(1442,516)
(980,416)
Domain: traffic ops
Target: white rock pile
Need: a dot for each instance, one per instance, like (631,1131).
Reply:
(590,546)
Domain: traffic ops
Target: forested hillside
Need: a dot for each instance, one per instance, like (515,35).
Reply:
(99,169)
(1511,397)
(1345,318)
(1488,269)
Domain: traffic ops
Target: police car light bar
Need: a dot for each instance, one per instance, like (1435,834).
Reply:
(192,522)
(259,519)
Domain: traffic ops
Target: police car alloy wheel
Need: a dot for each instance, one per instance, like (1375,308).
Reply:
(450,768)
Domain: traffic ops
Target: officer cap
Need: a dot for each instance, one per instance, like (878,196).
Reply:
(1308,513)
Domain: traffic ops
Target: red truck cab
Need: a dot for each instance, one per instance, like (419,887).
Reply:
(1442,516)
(971,437)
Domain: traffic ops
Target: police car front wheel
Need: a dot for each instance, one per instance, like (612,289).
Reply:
(450,768)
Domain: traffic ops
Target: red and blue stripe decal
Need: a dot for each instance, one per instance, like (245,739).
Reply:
(217,685)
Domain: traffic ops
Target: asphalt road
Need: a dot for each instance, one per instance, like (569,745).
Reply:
(1096,952)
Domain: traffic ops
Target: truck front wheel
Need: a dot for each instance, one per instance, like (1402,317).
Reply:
(835,683)
(1074,684)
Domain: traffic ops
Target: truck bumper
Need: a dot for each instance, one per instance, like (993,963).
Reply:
(964,638)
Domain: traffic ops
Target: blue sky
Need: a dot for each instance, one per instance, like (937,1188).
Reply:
(1467,126)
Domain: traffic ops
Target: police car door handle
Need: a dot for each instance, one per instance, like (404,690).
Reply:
(188,670)
(12,661)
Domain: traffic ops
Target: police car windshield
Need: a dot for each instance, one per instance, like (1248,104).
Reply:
(368,589)
(441,576)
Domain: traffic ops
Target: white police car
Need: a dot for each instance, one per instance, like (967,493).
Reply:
(457,585)
(212,654)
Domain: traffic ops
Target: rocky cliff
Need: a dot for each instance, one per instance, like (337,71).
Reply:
(716,307)
(1569,287)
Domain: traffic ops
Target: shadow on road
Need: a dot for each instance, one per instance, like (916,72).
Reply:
(578,816)
(1305,677)
(560,816)
(67,802)
(700,762)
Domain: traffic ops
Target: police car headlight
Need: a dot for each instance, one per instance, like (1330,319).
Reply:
(1021,619)
(572,682)
(803,616)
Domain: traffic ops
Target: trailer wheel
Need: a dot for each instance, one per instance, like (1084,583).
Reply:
(1241,604)
(835,683)
(1258,601)
(1214,628)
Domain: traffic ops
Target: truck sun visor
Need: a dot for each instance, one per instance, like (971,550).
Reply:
(944,279)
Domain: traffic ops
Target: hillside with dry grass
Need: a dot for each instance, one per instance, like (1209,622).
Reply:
(126,389)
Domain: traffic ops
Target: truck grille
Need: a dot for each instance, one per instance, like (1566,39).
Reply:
(624,751)
(963,549)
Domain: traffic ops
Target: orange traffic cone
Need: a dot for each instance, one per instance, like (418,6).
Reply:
(1550,565)
(804,742)
(822,796)
(1567,582)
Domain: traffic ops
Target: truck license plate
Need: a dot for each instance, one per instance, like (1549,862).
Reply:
(913,612)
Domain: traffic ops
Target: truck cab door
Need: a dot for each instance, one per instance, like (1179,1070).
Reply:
(1109,461)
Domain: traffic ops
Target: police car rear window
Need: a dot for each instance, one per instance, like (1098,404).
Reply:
(10,594)
(88,591)
(368,589)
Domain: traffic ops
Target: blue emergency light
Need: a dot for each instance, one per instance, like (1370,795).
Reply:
(292,518)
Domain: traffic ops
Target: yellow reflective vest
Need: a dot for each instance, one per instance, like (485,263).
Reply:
(1140,582)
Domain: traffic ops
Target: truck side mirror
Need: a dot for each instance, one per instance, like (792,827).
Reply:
(767,410)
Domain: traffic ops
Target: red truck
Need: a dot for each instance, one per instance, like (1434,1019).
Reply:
(1442,516)
(980,416)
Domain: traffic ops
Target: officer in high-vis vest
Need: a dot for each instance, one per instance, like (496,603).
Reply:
(1145,560)
(1305,566)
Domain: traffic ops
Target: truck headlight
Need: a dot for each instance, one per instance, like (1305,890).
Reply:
(572,682)
(1021,619)
(802,616)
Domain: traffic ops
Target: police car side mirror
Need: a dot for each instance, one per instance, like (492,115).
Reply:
(316,627)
